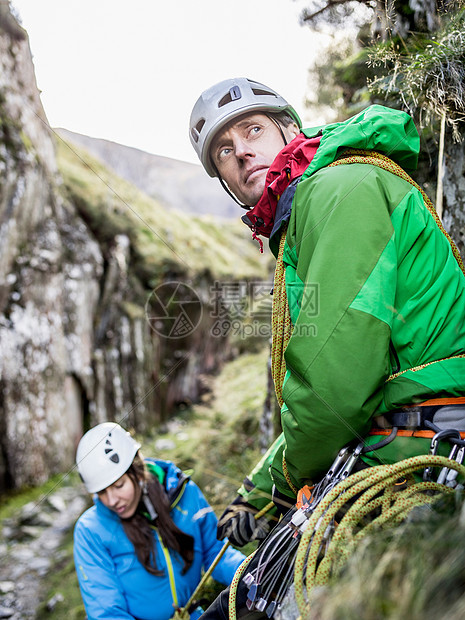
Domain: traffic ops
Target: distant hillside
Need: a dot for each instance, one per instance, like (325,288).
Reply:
(177,184)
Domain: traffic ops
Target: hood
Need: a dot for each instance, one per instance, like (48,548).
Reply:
(174,478)
(390,132)
(377,128)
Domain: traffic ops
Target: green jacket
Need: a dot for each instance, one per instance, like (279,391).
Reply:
(374,290)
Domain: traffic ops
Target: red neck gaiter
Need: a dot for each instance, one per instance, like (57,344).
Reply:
(290,163)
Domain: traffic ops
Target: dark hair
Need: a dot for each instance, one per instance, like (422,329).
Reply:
(138,528)
(283,118)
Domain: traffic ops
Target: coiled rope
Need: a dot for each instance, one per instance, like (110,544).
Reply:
(376,487)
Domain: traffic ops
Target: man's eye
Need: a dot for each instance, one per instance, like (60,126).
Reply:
(254,130)
(222,153)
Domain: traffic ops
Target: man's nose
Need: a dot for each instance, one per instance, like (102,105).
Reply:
(243,149)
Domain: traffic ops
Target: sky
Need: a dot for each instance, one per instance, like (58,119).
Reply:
(130,71)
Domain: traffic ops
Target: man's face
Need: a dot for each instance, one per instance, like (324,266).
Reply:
(244,150)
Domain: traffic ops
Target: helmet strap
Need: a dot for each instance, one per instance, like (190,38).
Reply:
(228,191)
(280,129)
(148,503)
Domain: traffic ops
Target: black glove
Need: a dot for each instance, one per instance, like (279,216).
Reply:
(283,503)
(238,523)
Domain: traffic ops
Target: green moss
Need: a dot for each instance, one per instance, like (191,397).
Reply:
(160,240)
(26,140)
(133,311)
(13,501)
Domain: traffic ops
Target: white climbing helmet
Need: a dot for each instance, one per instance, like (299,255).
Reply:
(104,454)
(225,101)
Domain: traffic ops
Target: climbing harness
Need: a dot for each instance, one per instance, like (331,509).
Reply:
(313,540)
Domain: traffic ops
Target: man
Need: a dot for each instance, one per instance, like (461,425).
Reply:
(373,286)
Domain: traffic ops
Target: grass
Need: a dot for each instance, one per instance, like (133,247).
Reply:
(219,440)
(14,500)
(63,581)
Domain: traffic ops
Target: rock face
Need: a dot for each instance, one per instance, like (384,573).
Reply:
(46,253)
(77,345)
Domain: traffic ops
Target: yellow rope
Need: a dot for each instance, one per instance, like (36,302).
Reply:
(287,476)
(280,321)
(281,326)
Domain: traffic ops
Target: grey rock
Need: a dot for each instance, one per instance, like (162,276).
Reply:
(6,586)
(164,444)
(28,532)
(56,502)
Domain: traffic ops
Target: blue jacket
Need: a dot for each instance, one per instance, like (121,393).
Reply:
(114,584)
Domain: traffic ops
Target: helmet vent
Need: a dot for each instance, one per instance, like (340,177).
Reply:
(233,94)
(260,91)
(195,131)
(114,458)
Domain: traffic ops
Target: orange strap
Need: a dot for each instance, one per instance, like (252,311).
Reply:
(407,433)
(304,495)
(460,400)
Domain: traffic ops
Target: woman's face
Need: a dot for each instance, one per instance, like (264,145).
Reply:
(122,497)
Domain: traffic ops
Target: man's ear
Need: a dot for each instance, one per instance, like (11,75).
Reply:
(293,131)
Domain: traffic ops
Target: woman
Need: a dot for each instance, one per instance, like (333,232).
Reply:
(140,550)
